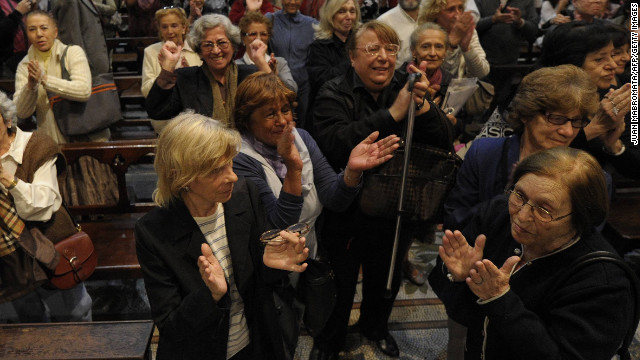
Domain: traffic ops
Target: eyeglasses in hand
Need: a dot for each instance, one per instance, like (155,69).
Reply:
(272,237)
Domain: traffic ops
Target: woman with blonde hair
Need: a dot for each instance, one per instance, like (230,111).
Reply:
(328,56)
(172,25)
(209,280)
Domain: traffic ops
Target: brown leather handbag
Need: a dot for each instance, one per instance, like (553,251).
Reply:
(78,259)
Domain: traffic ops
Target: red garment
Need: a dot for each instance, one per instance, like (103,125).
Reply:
(238,9)
(312,8)
(20,38)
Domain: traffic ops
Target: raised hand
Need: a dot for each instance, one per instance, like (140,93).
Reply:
(212,273)
(287,150)
(369,154)
(501,17)
(287,255)
(462,31)
(458,256)
(487,281)
(273,64)
(36,74)
(614,106)
(169,56)
(254,5)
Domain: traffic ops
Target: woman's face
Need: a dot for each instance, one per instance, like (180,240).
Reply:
(291,6)
(172,29)
(541,134)
(600,66)
(345,18)
(448,17)
(216,49)
(537,236)
(41,32)
(255,30)
(432,48)
(375,70)
(621,56)
(267,122)
(215,187)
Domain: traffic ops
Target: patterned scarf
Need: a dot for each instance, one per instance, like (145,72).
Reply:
(10,226)
(223,108)
(269,153)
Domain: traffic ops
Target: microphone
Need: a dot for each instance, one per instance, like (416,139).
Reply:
(412,80)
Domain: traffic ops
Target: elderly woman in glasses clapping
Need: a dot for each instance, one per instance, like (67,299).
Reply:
(209,89)
(371,96)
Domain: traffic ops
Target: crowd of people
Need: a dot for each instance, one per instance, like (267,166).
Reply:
(271,114)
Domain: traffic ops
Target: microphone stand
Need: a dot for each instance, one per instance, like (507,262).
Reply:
(403,181)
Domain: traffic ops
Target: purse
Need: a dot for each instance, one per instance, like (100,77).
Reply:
(78,259)
(431,176)
(481,99)
(99,112)
(318,293)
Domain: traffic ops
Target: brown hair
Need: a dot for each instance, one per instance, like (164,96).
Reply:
(251,17)
(561,88)
(582,176)
(385,34)
(257,90)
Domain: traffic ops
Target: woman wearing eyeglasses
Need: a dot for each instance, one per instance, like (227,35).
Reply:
(256,27)
(499,276)
(549,109)
(371,96)
(208,89)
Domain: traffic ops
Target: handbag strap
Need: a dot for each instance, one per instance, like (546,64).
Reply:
(601,257)
(73,220)
(63,68)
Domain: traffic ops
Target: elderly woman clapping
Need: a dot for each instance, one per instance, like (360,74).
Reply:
(210,282)
(498,276)
(208,89)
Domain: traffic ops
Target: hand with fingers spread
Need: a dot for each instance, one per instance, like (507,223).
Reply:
(287,255)
(487,281)
(254,5)
(370,153)
(212,273)
(462,31)
(458,256)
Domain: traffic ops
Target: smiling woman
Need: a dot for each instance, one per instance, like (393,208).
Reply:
(209,89)
(498,276)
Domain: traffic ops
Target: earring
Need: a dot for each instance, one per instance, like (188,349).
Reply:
(186,189)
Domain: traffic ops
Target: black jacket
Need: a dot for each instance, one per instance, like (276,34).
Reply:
(584,318)
(192,91)
(344,114)
(191,324)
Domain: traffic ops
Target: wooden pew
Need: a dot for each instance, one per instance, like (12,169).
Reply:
(89,340)
(111,226)
(128,52)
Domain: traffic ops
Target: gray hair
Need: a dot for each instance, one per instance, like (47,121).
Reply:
(210,21)
(415,35)
(8,111)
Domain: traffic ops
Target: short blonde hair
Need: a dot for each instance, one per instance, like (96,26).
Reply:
(192,145)
(324,29)
(429,10)
(179,12)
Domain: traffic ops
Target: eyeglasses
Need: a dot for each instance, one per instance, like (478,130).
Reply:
(254,34)
(221,44)
(374,49)
(272,237)
(556,119)
(169,7)
(517,199)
